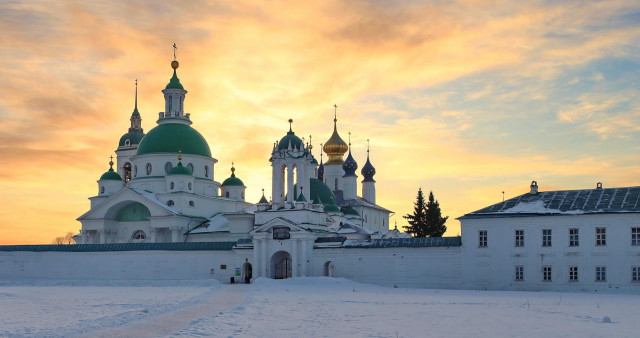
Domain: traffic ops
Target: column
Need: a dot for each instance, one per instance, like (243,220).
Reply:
(295,258)
(256,258)
(263,259)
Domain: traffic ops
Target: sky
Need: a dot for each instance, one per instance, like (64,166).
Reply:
(468,99)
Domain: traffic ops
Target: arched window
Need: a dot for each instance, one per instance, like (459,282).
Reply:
(206,171)
(127,172)
(102,189)
(167,167)
(190,167)
(170,203)
(139,234)
(226,194)
(242,195)
(149,168)
(170,109)
(127,142)
(189,185)
(171,185)
(192,204)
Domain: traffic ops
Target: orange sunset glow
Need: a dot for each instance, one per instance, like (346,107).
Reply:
(467,99)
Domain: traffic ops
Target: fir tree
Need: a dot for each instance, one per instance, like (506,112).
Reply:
(417,221)
(433,218)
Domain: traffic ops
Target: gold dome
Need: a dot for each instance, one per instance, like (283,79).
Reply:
(175,64)
(335,147)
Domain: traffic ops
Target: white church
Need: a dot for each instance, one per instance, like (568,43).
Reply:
(161,214)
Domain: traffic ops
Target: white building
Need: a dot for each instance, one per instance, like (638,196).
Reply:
(570,240)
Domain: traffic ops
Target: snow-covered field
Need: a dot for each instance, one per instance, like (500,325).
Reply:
(304,307)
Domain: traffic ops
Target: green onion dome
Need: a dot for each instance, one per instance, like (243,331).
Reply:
(172,138)
(233,180)
(110,174)
(133,137)
(291,137)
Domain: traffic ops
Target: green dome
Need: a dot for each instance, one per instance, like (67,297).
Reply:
(180,170)
(233,180)
(111,175)
(134,138)
(174,83)
(172,138)
(296,142)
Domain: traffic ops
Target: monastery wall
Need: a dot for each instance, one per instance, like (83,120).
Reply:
(119,265)
(428,267)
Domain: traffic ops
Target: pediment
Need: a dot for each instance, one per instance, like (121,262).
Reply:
(279,222)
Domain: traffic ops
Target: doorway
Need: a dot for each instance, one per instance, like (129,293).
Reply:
(281,265)
(247,272)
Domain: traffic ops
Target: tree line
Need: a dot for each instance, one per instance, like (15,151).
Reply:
(426,220)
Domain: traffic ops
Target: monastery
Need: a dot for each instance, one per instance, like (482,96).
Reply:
(161,214)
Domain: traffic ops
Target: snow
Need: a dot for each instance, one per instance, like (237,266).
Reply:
(302,307)
(537,207)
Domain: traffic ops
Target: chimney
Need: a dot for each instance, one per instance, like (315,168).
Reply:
(534,187)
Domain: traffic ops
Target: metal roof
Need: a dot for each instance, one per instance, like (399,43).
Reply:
(179,246)
(404,242)
(565,202)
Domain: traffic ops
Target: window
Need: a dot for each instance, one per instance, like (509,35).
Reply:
(206,171)
(574,238)
(170,203)
(546,237)
(190,167)
(281,233)
(601,273)
(573,273)
(601,236)
(226,194)
(546,273)
(192,204)
(242,195)
(127,142)
(135,171)
(519,238)
(635,236)
(139,234)
(336,185)
(189,185)
(635,274)
(519,276)
(127,172)
(171,185)
(148,168)
(482,238)
(167,167)
(102,189)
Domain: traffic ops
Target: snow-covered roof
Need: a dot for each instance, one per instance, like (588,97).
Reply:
(565,202)
(412,242)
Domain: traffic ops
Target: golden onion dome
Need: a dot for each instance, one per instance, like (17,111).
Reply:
(335,147)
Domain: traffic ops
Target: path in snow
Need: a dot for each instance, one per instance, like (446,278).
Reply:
(223,298)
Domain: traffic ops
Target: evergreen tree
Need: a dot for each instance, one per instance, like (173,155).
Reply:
(433,218)
(417,221)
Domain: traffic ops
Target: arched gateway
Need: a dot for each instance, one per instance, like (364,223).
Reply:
(280,265)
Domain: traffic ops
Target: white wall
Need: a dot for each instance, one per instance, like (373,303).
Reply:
(493,267)
(437,267)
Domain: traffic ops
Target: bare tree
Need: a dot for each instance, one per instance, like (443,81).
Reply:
(66,239)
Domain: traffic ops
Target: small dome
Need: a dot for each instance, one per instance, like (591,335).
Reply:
(133,137)
(335,147)
(233,180)
(174,83)
(263,200)
(321,192)
(180,169)
(291,137)
(172,138)
(110,174)
(321,171)
(349,166)
(368,171)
